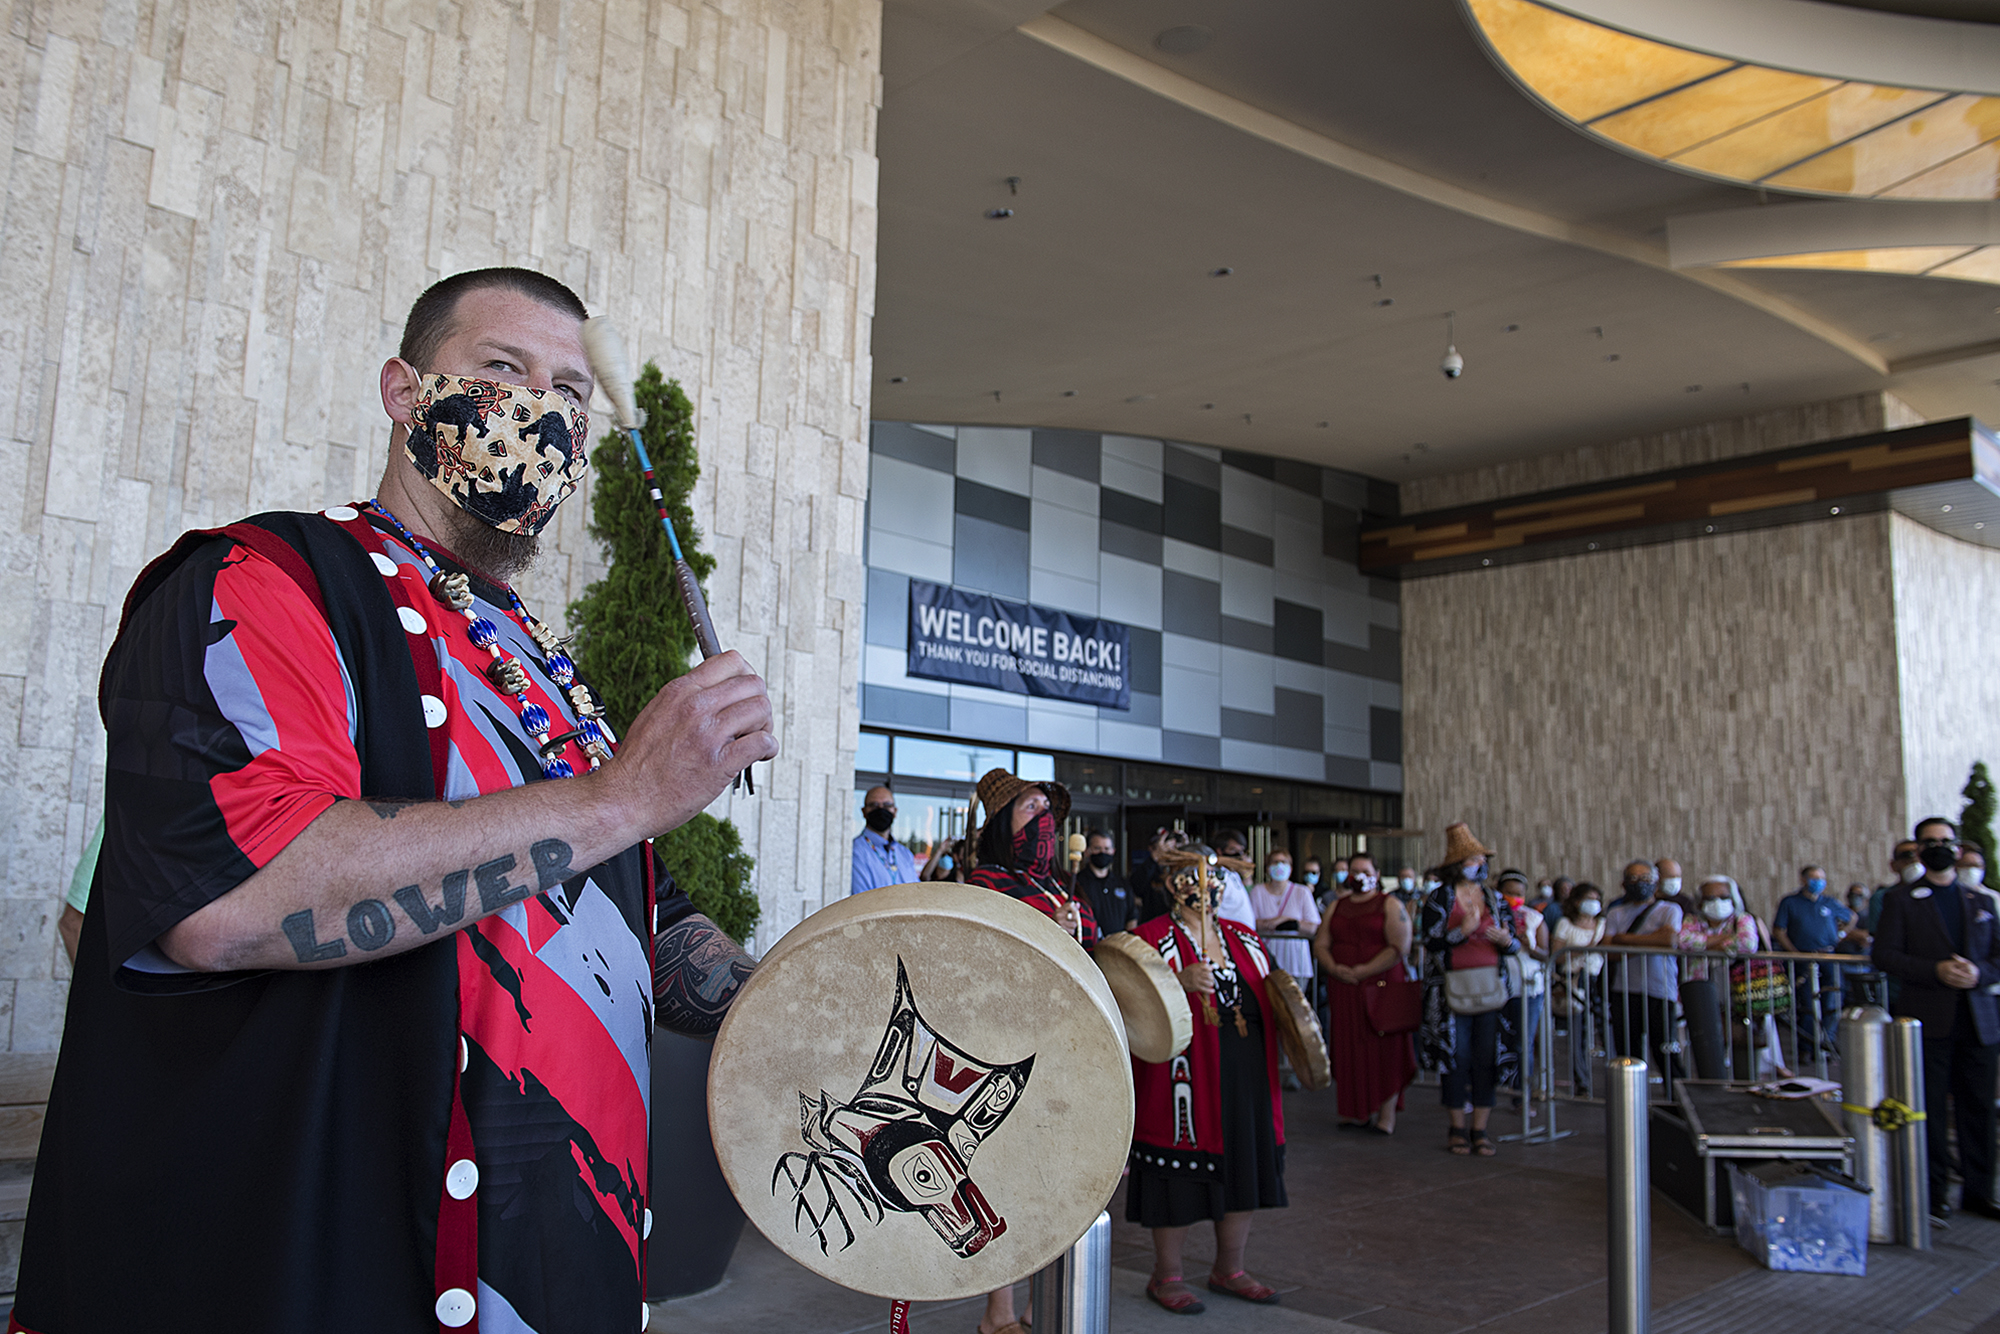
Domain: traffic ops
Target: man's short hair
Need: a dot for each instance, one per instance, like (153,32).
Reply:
(1936,819)
(1809,866)
(1353,859)
(430,319)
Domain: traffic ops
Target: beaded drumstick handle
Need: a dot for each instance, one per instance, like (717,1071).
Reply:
(613,370)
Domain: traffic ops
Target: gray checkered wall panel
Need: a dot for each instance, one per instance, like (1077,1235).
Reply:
(1257,647)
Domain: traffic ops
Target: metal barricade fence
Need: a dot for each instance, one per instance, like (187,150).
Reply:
(1706,1014)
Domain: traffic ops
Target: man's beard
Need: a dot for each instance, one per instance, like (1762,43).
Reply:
(497,555)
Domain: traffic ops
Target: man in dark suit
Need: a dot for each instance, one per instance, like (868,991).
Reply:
(1936,936)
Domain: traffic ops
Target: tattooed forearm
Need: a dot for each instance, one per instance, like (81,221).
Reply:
(371,925)
(697,971)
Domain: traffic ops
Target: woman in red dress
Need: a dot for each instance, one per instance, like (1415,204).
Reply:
(1363,935)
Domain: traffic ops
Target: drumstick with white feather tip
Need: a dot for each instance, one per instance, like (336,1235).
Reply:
(613,370)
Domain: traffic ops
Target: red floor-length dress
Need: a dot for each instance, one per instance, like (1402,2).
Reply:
(1367,1069)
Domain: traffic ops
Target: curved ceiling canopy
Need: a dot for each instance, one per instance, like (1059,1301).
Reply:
(1752,123)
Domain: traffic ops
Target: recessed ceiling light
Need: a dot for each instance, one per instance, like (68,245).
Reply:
(1947,509)
(1513,328)
(1692,389)
(1324,425)
(1222,272)
(1834,510)
(1069,393)
(899,379)
(1612,357)
(1978,525)
(1184,40)
(1386,301)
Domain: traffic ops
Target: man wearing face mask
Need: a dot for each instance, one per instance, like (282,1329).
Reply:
(1905,868)
(1811,921)
(1644,988)
(1234,906)
(1938,938)
(1100,883)
(341,739)
(879,860)
(1669,872)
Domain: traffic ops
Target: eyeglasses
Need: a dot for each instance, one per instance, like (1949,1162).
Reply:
(1939,843)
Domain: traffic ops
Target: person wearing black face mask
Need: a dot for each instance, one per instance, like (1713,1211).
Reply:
(880,860)
(1937,937)
(1100,883)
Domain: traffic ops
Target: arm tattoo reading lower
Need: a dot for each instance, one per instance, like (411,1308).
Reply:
(697,971)
(370,924)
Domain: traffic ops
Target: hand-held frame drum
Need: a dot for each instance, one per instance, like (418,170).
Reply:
(1159,1023)
(923,1092)
(1298,1030)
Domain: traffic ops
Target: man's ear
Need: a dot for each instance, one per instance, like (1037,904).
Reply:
(401,386)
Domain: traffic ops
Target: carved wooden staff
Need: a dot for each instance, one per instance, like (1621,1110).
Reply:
(613,370)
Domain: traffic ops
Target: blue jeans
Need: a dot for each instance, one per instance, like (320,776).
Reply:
(1809,1023)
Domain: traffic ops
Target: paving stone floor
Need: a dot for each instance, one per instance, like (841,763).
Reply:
(1396,1236)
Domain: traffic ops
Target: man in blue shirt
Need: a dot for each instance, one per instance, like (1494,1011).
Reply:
(879,859)
(1811,921)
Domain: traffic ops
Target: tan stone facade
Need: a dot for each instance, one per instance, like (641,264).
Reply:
(216,215)
(1948,658)
(1735,701)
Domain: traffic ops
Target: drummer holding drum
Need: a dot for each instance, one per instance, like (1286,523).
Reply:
(1209,1138)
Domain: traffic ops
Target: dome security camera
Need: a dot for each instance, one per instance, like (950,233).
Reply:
(1453,365)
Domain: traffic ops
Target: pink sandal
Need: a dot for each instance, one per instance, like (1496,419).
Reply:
(1250,1291)
(1180,1303)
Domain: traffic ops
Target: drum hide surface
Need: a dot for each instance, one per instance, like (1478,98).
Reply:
(923,1092)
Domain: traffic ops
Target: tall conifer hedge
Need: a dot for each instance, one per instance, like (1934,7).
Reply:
(632,635)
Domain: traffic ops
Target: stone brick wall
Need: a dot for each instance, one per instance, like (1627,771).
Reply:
(1729,701)
(215,216)
(1948,649)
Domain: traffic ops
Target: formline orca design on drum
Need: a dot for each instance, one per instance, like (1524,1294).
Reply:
(904,1142)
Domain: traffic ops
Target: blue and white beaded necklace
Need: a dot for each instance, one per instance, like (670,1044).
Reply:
(507,674)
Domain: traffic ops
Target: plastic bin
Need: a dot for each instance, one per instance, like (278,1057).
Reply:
(1793,1218)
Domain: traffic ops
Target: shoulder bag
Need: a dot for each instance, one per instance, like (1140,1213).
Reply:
(1394,1002)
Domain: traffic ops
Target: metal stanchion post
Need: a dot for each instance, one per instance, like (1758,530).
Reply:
(1073,1294)
(1911,1152)
(1864,1032)
(1628,1175)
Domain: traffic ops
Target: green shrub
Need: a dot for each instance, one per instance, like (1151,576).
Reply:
(706,859)
(631,633)
(1975,823)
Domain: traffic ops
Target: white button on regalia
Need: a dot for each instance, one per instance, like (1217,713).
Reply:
(455,1308)
(461,1179)
(413,620)
(341,513)
(434,714)
(382,562)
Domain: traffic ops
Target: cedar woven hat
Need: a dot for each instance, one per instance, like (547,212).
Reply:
(998,789)
(1460,844)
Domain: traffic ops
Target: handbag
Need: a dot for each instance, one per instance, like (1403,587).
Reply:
(1394,1002)
(1483,990)
(1759,987)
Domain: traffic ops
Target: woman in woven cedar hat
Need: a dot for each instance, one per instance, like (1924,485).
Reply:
(1467,942)
(1208,1139)
(1017,849)
(1016,852)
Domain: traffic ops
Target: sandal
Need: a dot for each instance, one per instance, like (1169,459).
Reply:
(1456,1141)
(1482,1144)
(1183,1302)
(1251,1291)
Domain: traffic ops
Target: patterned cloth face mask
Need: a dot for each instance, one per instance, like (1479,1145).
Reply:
(505,454)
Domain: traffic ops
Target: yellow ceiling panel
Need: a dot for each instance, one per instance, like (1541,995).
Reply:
(1752,124)
(1776,142)
(1695,114)
(1981,266)
(1583,69)
(1974,175)
(1886,157)
(1900,259)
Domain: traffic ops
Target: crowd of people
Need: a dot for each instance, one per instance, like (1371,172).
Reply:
(1452,971)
